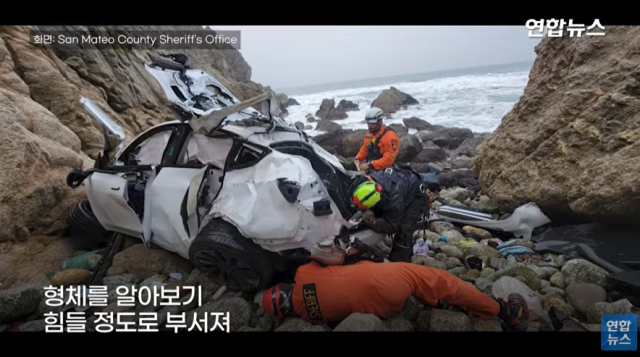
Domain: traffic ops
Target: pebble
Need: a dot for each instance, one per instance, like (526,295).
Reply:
(557,280)
(70,277)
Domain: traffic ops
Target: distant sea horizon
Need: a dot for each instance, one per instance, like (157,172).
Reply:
(411,77)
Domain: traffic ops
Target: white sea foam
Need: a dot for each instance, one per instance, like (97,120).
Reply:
(477,102)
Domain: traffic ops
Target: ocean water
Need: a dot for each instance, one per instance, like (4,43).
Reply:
(474,98)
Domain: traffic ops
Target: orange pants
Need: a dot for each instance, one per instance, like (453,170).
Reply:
(328,294)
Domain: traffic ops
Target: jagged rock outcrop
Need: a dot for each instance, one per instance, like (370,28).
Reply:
(45,133)
(347,106)
(416,123)
(572,142)
(391,100)
(329,111)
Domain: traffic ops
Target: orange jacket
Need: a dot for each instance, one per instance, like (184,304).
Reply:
(389,147)
(328,294)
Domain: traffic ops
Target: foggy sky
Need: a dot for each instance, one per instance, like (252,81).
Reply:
(291,56)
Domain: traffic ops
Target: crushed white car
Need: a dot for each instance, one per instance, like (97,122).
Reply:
(240,194)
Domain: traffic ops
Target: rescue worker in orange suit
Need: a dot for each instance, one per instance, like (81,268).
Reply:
(381,144)
(392,202)
(326,294)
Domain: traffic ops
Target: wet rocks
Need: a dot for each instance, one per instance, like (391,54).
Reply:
(443,320)
(600,308)
(582,271)
(142,261)
(360,322)
(391,100)
(447,138)
(328,111)
(328,126)
(428,261)
(416,123)
(557,280)
(582,296)
(398,324)
(522,271)
(452,251)
(298,325)
(19,302)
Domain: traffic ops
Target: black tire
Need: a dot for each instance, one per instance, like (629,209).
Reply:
(85,230)
(222,252)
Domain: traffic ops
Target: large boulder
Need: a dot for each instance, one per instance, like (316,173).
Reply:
(449,138)
(329,111)
(391,100)
(416,123)
(572,142)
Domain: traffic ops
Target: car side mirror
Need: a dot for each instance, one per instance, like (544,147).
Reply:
(114,137)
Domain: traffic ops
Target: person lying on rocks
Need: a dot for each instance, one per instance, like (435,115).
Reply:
(326,294)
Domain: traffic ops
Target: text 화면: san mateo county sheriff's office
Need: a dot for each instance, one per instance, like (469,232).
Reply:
(164,40)
(73,307)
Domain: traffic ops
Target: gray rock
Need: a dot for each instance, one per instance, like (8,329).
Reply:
(34,326)
(452,251)
(441,257)
(555,300)
(605,308)
(544,284)
(551,289)
(440,227)
(452,263)
(582,296)
(544,272)
(410,309)
(19,302)
(360,322)
(545,323)
(497,263)
(523,272)
(398,324)
(457,193)
(582,271)
(443,320)
(114,281)
(457,271)
(484,251)
(298,325)
(428,261)
(557,280)
(478,324)
(483,284)
(453,236)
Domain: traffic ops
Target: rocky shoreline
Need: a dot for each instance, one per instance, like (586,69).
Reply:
(573,286)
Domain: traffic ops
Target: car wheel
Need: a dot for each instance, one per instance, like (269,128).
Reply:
(221,251)
(85,230)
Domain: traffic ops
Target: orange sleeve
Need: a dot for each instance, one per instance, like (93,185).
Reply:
(362,153)
(389,148)
(431,285)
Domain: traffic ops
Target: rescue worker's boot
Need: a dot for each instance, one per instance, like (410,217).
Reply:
(514,313)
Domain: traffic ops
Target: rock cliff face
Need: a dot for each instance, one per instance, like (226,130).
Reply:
(572,142)
(44,132)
